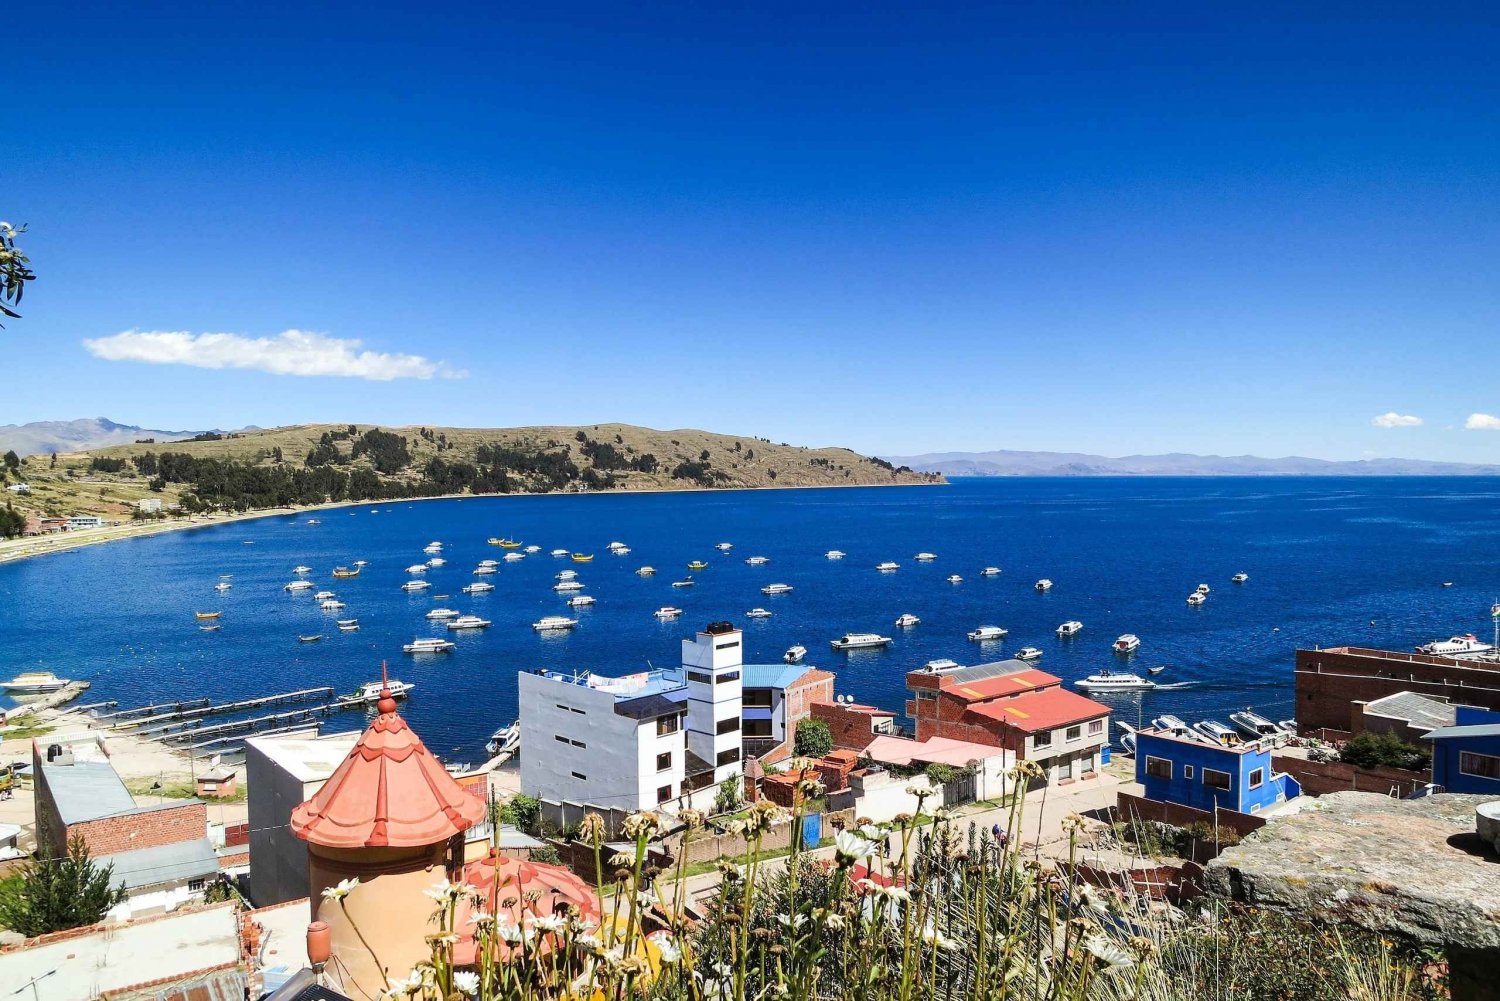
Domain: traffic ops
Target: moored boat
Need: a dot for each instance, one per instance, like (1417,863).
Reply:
(990,572)
(1455,646)
(1240,578)
(925,557)
(34,683)
(888,566)
(553,623)
(442,613)
(758,561)
(312,638)
(563,587)
(776,589)
(984,634)
(1110,681)
(1128,643)
(348,625)
(1196,598)
(697,565)
(468,622)
(581,601)
(667,612)
(906,619)
(1028,653)
(415,585)
(758,613)
(479,588)
(345,572)
(955,579)
(645,571)
(860,641)
(1070,628)
(428,644)
(582,557)
(371,692)
(223,585)
(298,585)
(206,615)
(506,740)
(834,554)
(1043,585)
(795,654)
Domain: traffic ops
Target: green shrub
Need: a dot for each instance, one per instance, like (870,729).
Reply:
(1376,750)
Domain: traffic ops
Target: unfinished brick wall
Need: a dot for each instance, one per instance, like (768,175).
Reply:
(849,724)
(149,829)
(1328,681)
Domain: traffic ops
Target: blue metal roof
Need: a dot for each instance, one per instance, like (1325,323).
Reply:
(1473,730)
(771,675)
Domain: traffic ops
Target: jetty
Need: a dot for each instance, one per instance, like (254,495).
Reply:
(140,712)
(62,696)
(166,719)
(252,725)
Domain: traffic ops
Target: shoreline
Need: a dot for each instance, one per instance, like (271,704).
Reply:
(33,547)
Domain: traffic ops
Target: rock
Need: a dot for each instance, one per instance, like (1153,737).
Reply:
(1487,820)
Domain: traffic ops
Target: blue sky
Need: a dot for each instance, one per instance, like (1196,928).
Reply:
(1099,227)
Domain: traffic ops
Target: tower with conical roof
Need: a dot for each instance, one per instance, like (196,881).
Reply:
(386,816)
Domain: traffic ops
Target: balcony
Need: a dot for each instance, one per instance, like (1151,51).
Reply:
(759,747)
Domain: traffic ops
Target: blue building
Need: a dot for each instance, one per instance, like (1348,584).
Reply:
(1207,776)
(1466,755)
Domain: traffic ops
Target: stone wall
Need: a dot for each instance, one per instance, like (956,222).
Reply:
(1176,815)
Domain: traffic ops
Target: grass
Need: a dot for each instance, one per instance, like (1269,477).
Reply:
(26,730)
(177,789)
(699,868)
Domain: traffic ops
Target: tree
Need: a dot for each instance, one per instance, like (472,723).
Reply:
(730,795)
(12,460)
(58,893)
(813,739)
(523,812)
(15,270)
(1373,750)
(12,522)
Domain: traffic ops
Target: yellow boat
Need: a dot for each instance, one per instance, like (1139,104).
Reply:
(697,565)
(582,557)
(345,572)
(206,615)
(508,544)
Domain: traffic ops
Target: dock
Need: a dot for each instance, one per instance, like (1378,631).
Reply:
(145,711)
(162,721)
(61,697)
(251,725)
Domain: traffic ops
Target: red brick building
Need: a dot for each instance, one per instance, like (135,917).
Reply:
(1330,681)
(854,726)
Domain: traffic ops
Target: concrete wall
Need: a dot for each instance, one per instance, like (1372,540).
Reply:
(881,795)
(278,858)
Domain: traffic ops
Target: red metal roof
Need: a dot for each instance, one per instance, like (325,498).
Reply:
(1043,710)
(1004,684)
(389,792)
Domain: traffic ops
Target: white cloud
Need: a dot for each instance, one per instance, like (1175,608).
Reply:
(1482,422)
(1395,420)
(291,352)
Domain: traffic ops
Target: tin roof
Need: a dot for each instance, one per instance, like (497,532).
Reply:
(1011,683)
(1042,710)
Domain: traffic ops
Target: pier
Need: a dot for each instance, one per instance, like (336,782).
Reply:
(145,711)
(201,708)
(251,725)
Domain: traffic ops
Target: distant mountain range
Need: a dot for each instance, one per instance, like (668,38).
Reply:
(42,437)
(1014,463)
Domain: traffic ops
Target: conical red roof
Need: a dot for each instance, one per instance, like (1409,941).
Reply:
(389,792)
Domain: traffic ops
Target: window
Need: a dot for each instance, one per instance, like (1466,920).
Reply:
(580,776)
(1088,764)
(1065,768)
(559,738)
(925,696)
(1187,771)
(664,761)
(756,698)
(1075,732)
(568,709)
(700,677)
(729,724)
(757,728)
(666,725)
(727,646)
(1096,727)
(1484,766)
(578,743)
(197,885)
(1257,777)
(729,676)
(728,757)
(1043,739)
(1158,768)
(1215,779)
(663,794)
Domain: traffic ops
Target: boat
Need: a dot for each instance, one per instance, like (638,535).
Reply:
(1196,599)
(1127,736)
(324,596)
(372,692)
(685,582)
(566,586)
(348,625)
(724,547)
(331,605)
(433,547)
(581,601)
(479,588)
(360,563)
(795,654)
(776,589)
(206,615)
(1028,653)
(489,563)
(437,561)
(887,566)
(1288,726)
(346,572)
(906,619)
(34,683)
(212,627)
(925,557)
(667,612)
(758,613)
(622,551)
(512,557)
(223,585)
(582,557)
(469,622)
(1043,585)
(1202,589)
(1070,628)
(984,634)
(834,554)
(955,579)
(645,571)
(1254,725)
(697,565)
(508,544)
(415,585)
(1447,583)
(428,644)
(860,641)
(558,552)
(758,561)
(299,585)
(493,540)
(1108,681)
(1240,578)
(532,550)
(1455,646)
(553,623)
(1157,669)
(310,639)
(504,740)
(301,569)
(567,575)
(417,568)
(1217,733)
(442,613)
(990,572)
(1128,643)
(616,546)
(940,664)
(313,521)
(483,571)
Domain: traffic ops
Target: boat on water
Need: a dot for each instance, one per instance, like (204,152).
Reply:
(417,568)
(346,572)
(984,634)
(1110,681)
(34,683)
(581,601)
(468,622)
(559,552)
(667,612)
(1028,654)
(493,540)
(1254,725)
(616,546)
(990,572)
(358,563)
(428,644)
(906,619)
(479,588)
(582,557)
(1157,669)
(685,582)
(1196,598)
(1217,733)
(697,565)
(955,579)
(433,547)
(206,615)
(223,585)
(1288,726)
(888,566)
(302,569)
(925,557)
(724,547)
(437,561)
(483,571)
(1203,589)
(415,585)
(371,692)
(512,557)
(1043,585)
(348,625)
(758,561)
(622,551)
(314,638)
(776,589)
(489,563)
(564,587)
(1455,646)
(645,571)
(553,623)
(505,740)
(860,641)
(313,521)
(834,554)
(532,550)
(324,596)
(212,627)
(1240,578)
(795,654)
(567,575)
(758,613)
(1127,643)
(508,544)
(442,613)
(298,585)
(938,665)
(331,605)
(1070,628)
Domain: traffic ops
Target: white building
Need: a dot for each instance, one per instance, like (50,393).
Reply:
(76,521)
(711,664)
(149,505)
(280,773)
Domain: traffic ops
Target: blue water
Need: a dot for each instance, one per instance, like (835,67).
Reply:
(1325,557)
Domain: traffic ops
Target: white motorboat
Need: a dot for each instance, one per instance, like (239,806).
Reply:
(955,579)
(1240,578)
(415,585)
(1028,654)
(479,588)
(1127,736)
(560,552)
(371,692)
(1202,589)
(331,605)
(1108,681)
(622,551)
(301,569)
(685,582)
(984,634)
(906,620)
(489,563)
(925,557)
(1070,628)
(834,554)
(566,575)
(1196,599)
(348,625)
(1043,585)
(776,589)
(442,613)
(532,550)
(299,585)
(616,545)
(437,561)
(758,613)
(568,585)
(361,563)
(483,571)
(504,740)
(1254,725)
(324,596)
(34,683)
(990,572)
(938,665)
(1128,643)
(581,601)
(469,622)
(1217,733)
(513,557)
(428,644)
(645,571)
(667,612)
(223,585)
(417,568)
(758,561)
(1288,726)
(1455,646)
(433,547)
(553,623)
(1175,726)
(888,566)
(795,654)
(860,641)
(724,547)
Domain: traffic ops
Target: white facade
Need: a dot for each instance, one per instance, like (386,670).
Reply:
(76,521)
(19,488)
(711,666)
(1073,751)
(149,505)
(280,773)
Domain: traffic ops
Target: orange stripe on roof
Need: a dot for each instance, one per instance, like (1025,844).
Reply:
(1023,682)
(970,691)
(1021,713)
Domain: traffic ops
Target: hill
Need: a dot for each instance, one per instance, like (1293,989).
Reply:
(331,463)
(1017,463)
(43,437)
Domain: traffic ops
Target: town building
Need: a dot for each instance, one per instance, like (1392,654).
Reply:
(161,854)
(776,697)
(19,488)
(1210,776)
(280,772)
(77,521)
(1466,755)
(1406,715)
(712,665)
(1013,705)
(1329,681)
(854,726)
(148,505)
